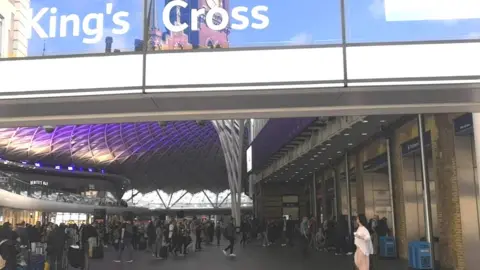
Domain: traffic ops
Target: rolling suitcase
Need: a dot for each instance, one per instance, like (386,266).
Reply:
(76,257)
(97,252)
(164,252)
(36,262)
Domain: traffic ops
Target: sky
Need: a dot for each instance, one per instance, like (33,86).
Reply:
(291,23)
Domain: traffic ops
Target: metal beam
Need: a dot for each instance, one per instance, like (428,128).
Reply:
(158,193)
(437,98)
(183,195)
(317,138)
(226,197)
(204,193)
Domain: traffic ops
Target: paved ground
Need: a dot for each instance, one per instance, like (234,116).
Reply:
(252,257)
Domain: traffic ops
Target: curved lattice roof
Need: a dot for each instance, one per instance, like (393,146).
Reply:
(171,156)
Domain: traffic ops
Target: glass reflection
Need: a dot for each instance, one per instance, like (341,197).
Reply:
(58,27)
(195,24)
(409,20)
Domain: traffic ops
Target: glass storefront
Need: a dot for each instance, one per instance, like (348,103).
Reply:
(16,216)
(55,27)
(69,218)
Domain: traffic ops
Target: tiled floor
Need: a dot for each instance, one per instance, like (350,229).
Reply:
(252,257)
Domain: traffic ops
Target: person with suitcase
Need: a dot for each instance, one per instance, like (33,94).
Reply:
(126,242)
(159,241)
(56,242)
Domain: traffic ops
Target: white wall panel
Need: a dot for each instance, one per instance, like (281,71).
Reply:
(413,61)
(235,67)
(27,75)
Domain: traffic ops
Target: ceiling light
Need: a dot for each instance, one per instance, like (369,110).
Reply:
(339,152)
(301,178)
(324,149)
(329,158)
(312,159)
(310,172)
(350,143)
(316,168)
(364,134)
(328,144)
(382,121)
(319,152)
(365,121)
(286,181)
(305,164)
(315,155)
(346,134)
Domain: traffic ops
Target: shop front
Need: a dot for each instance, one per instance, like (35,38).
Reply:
(17,216)
(69,218)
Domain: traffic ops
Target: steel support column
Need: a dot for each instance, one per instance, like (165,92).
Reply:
(349,199)
(314,196)
(335,193)
(390,181)
(426,188)
(231,134)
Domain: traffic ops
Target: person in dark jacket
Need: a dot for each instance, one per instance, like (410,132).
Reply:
(244,229)
(152,236)
(230,235)
(341,234)
(55,246)
(218,232)
(7,247)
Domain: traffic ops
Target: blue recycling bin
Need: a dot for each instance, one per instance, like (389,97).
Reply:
(419,256)
(388,247)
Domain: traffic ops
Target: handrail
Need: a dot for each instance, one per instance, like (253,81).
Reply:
(15,185)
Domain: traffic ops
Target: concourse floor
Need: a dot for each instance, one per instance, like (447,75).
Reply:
(252,257)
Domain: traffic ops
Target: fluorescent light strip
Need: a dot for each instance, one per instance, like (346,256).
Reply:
(245,88)
(73,94)
(413,82)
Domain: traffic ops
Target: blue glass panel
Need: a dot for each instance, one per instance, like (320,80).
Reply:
(408,20)
(246,23)
(59,27)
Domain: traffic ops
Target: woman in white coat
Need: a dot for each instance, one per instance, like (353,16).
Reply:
(363,241)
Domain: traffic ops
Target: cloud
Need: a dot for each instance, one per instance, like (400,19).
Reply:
(377,9)
(301,39)
(474,35)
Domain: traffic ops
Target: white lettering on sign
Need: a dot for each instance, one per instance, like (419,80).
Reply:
(217,18)
(92,25)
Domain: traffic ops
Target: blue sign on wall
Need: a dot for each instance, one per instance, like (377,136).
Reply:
(464,125)
(413,145)
(378,161)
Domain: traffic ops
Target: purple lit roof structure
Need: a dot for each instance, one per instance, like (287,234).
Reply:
(171,157)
